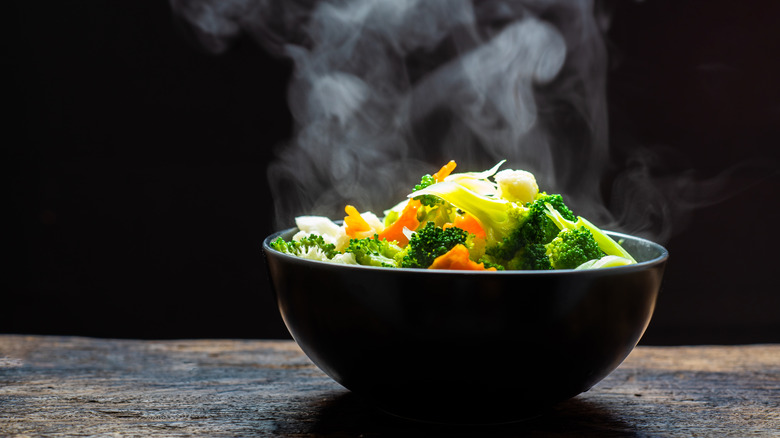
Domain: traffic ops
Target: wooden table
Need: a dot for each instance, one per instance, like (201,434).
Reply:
(84,386)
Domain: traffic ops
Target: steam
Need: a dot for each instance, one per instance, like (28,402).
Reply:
(650,200)
(384,91)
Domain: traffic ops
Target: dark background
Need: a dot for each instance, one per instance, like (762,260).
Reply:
(138,200)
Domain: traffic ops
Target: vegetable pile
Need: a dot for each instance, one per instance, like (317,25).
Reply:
(491,220)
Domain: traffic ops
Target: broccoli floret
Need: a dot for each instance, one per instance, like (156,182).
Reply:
(552,237)
(530,257)
(535,228)
(523,248)
(606,243)
(538,228)
(427,200)
(428,243)
(488,263)
(371,251)
(572,248)
(312,246)
(535,257)
(556,201)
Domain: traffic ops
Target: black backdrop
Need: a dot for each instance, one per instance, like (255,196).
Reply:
(138,198)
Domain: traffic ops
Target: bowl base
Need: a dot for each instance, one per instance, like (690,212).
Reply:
(449,419)
(490,411)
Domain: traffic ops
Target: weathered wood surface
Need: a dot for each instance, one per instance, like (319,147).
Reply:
(81,386)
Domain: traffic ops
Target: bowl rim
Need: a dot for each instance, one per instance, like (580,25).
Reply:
(639,266)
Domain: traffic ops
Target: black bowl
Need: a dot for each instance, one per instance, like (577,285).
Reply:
(466,346)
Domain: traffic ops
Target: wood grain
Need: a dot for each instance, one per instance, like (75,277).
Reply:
(65,386)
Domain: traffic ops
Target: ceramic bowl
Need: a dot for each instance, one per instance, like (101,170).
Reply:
(466,346)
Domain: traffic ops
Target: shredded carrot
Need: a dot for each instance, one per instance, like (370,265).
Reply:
(468,223)
(444,171)
(407,219)
(354,222)
(458,258)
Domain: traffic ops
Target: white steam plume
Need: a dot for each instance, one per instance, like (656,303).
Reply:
(384,91)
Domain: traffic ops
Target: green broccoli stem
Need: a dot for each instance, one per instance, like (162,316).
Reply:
(609,261)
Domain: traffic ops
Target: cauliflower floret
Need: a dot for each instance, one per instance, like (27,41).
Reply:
(333,233)
(517,185)
(329,230)
(317,225)
(345,259)
(376,224)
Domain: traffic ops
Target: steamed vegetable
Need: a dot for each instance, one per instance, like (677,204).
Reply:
(606,243)
(495,220)
(373,251)
(458,258)
(407,219)
(526,245)
(310,247)
(427,180)
(430,242)
(573,247)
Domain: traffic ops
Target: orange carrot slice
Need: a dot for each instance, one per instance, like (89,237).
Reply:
(407,219)
(470,224)
(444,171)
(354,222)
(458,258)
